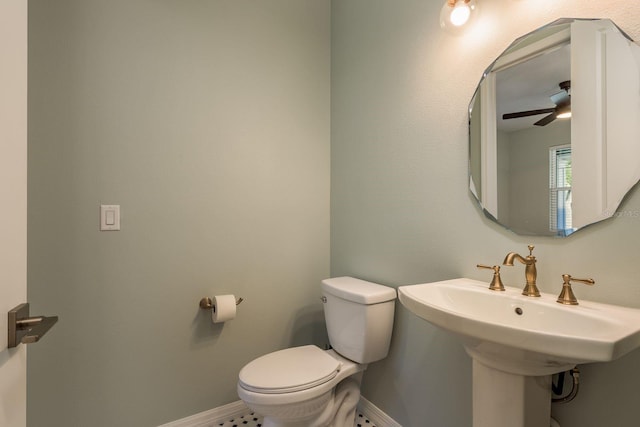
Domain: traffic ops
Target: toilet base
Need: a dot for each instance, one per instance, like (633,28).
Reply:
(336,408)
(346,398)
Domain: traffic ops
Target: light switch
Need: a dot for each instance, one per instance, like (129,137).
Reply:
(109,217)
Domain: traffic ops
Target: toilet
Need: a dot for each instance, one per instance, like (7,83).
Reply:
(310,387)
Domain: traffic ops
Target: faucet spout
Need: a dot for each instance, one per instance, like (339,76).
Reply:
(508,260)
(530,271)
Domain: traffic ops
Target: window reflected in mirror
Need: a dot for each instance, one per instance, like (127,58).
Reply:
(560,217)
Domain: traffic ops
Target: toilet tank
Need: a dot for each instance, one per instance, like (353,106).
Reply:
(359,317)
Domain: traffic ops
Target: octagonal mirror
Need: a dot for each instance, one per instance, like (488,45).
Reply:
(554,128)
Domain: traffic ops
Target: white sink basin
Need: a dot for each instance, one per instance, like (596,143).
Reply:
(524,335)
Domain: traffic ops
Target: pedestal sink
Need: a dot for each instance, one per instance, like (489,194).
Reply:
(518,342)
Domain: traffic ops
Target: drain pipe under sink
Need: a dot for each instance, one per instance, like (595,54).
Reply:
(575,374)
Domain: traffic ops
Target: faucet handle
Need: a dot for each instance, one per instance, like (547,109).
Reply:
(531,247)
(566,296)
(496,282)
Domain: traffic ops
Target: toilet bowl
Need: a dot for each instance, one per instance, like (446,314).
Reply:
(297,387)
(310,387)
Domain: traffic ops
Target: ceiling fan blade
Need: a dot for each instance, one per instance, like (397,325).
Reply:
(546,120)
(527,113)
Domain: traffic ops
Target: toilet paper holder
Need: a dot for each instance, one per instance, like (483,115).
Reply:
(206,303)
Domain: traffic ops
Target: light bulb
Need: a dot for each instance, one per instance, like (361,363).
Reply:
(455,14)
(563,110)
(460,13)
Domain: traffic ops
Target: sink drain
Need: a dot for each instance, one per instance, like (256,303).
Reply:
(519,311)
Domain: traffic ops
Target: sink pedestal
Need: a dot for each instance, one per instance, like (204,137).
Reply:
(517,342)
(501,399)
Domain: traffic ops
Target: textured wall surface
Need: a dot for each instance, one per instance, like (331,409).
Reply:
(208,122)
(401,212)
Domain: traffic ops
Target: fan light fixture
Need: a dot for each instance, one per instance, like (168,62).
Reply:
(561,110)
(456,13)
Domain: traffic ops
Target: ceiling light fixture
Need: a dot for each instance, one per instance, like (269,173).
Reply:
(456,13)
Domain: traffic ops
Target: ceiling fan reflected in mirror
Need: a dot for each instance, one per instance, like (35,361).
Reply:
(562,109)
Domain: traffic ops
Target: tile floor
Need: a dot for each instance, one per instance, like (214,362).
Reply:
(254,420)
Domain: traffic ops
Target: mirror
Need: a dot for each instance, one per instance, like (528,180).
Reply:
(554,128)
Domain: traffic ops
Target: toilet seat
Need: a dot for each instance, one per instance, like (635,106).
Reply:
(290,370)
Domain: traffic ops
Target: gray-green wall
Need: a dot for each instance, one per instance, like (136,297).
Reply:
(208,122)
(528,176)
(401,212)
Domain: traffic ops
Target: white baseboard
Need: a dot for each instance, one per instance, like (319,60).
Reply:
(208,418)
(238,408)
(375,414)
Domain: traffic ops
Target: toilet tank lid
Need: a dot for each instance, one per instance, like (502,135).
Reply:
(357,290)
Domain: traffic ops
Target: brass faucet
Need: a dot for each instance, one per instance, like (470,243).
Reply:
(496,282)
(567,296)
(530,272)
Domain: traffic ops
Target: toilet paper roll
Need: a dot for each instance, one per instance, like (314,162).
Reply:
(224,308)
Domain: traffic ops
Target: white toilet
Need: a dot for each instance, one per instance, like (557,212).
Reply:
(309,387)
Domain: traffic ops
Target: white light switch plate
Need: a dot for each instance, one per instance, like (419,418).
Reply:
(109,217)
